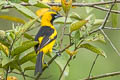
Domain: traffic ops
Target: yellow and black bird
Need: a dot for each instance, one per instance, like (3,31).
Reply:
(46,37)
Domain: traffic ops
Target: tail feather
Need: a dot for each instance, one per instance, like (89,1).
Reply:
(38,67)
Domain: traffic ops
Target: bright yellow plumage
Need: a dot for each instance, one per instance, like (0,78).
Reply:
(46,37)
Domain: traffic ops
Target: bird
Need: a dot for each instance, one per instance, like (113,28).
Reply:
(46,38)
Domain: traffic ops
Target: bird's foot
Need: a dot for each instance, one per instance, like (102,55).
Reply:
(58,54)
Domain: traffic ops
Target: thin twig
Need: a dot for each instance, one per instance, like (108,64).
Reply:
(105,9)
(110,42)
(103,76)
(63,31)
(110,28)
(65,67)
(11,47)
(92,67)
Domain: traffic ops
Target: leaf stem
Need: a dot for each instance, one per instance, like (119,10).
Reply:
(63,31)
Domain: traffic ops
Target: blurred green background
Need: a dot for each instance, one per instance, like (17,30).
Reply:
(80,66)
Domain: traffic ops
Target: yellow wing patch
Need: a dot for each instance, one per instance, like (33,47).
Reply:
(48,47)
(40,39)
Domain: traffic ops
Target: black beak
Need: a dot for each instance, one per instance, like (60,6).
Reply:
(57,16)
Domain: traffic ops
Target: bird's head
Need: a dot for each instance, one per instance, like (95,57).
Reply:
(49,17)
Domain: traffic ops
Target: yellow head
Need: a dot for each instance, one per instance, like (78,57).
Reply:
(48,18)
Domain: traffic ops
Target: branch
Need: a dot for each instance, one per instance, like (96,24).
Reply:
(103,76)
(105,9)
(63,31)
(92,66)
(74,4)
(77,4)
(65,67)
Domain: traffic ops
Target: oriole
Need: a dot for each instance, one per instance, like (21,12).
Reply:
(46,37)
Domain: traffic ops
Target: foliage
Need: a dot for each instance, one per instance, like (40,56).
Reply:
(16,44)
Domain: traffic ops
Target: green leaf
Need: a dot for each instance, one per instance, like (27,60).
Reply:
(2,73)
(75,16)
(4,49)
(26,26)
(90,17)
(98,22)
(25,42)
(61,61)
(38,4)
(2,2)
(93,49)
(77,36)
(95,37)
(114,17)
(23,48)
(61,20)
(88,10)
(26,35)
(4,42)
(29,68)
(15,1)
(12,35)
(24,10)
(25,0)
(6,61)
(77,25)
(41,5)
(27,57)
(2,33)
(32,2)
(3,39)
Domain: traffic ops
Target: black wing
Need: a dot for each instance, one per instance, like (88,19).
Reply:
(45,32)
